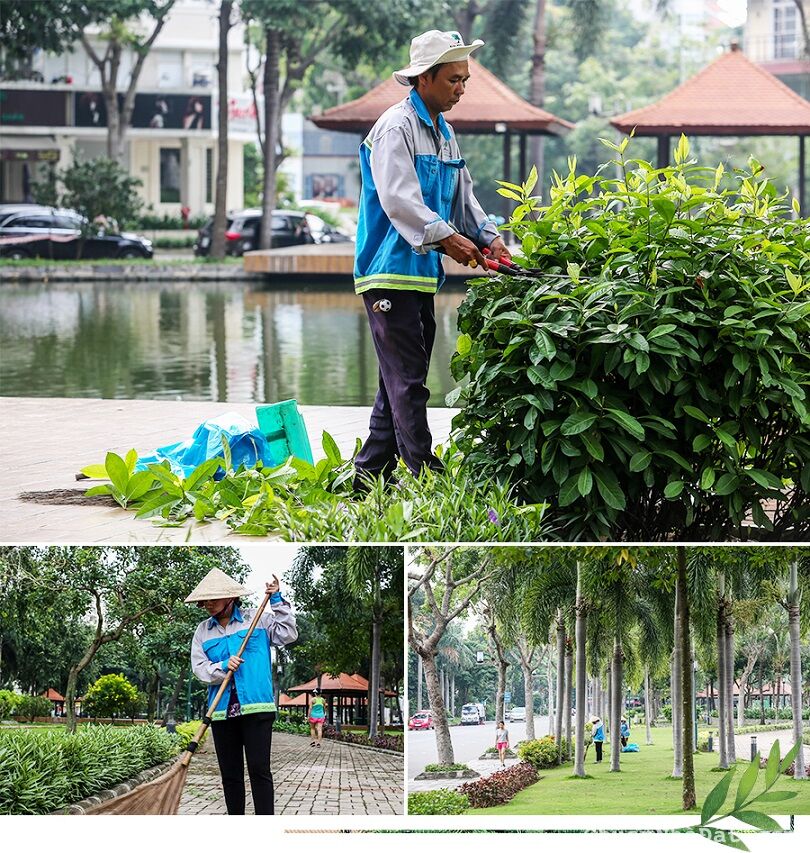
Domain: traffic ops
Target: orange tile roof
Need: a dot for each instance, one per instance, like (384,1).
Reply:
(730,96)
(286,701)
(486,102)
(51,694)
(332,684)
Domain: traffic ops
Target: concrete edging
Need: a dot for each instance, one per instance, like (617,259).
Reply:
(352,745)
(126,273)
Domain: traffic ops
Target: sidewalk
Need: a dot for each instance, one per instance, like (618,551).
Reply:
(336,779)
(765,741)
(485,767)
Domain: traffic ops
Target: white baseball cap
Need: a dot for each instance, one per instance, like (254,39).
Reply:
(435,48)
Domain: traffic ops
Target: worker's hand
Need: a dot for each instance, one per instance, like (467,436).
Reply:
(234,662)
(464,251)
(498,250)
(272,586)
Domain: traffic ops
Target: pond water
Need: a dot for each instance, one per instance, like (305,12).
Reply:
(198,341)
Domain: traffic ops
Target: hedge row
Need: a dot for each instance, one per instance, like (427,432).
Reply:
(500,787)
(46,770)
(22,705)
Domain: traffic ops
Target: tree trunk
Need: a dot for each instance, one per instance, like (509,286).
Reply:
(171,705)
(551,701)
(526,669)
(558,723)
(218,228)
(722,704)
(152,696)
(453,695)
(569,671)
(419,678)
(376,632)
(616,676)
(730,744)
(272,106)
(761,690)
(647,705)
(796,668)
(580,640)
(503,663)
(537,86)
(750,663)
(677,685)
(687,703)
(444,745)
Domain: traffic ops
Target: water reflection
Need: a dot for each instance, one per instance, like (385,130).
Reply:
(197,341)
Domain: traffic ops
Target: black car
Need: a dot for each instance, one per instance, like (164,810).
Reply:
(290,228)
(37,231)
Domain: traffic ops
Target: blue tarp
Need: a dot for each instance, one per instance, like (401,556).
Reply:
(248,446)
(631,747)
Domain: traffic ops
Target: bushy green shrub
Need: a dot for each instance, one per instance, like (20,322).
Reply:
(666,712)
(186,731)
(541,753)
(111,696)
(46,770)
(445,768)
(441,801)
(651,383)
(500,787)
(7,704)
(29,707)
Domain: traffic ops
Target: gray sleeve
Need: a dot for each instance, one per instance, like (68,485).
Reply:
(400,194)
(279,623)
(206,670)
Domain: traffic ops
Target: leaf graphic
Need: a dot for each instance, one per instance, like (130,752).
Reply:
(788,759)
(759,820)
(715,798)
(724,837)
(776,796)
(772,770)
(747,782)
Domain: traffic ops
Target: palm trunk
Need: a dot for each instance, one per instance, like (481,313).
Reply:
(750,663)
(761,689)
(526,655)
(730,745)
(218,228)
(444,745)
(272,106)
(550,690)
(687,704)
(537,83)
(616,705)
(569,671)
(796,668)
(580,639)
(376,633)
(722,704)
(647,705)
(419,679)
(677,686)
(558,724)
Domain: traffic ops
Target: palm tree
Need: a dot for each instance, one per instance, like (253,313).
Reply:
(688,701)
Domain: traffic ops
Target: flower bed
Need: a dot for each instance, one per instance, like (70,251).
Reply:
(500,787)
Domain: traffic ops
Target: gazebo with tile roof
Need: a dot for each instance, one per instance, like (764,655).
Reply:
(488,106)
(346,696)
(731,96)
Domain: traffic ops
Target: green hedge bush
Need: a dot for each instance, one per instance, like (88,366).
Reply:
(541,753)
(652,382)
(47,770)
(441,801)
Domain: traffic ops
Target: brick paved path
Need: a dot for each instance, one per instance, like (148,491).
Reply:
(330,780)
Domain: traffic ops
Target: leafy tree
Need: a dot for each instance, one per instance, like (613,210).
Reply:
(110,696)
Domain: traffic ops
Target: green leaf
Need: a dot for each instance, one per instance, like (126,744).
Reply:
(661,330)
(721,836)
(578,422)
(138,485)
(116,471)
(673,489)
(331,449)
(776,796)
(464,344)
(545,344)
(665,208)
(585,482)
(696,413)
(639,461)
(788,759)
(627,422)
(763,478)
(741,361)
(715,798)
(569,491)
(593,446)
(98,490)
(678,459)
(747,782)
(609,488)
(727,484)
(707,479)
(204,471)
(131,460)
(759,820)
(95,472)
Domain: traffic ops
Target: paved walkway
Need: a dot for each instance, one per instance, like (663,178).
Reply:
(335,779)
(47,440)
(765,742)
(485,767)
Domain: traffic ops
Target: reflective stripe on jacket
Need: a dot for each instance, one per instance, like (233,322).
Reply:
(416,191)
(213,645)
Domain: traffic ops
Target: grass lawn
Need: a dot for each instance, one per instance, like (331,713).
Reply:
(642,787)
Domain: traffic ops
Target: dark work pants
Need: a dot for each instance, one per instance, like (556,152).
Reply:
(403,338)
(598,746)
(239,737)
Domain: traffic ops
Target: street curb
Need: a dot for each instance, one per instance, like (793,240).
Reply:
(107,794)
(126,273)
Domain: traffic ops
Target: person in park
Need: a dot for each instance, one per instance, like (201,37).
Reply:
(416,202)
(624,732)
(598,728)
(242,723)
(317,717)
(502,741)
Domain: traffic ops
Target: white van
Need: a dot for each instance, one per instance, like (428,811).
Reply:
(470,715)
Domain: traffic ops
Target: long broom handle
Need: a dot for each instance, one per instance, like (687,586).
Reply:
(206,721)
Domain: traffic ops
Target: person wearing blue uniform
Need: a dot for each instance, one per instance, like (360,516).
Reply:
(416,201)
(624,732)
(598,729)
(242,722)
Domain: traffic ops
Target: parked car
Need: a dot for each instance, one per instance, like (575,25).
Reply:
(421,720)
(290,228)
(471,715)
(323,232)
(38,231)
(516,715)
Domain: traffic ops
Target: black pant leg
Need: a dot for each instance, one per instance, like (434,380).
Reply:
(229,745)
(257,732)
(598,746)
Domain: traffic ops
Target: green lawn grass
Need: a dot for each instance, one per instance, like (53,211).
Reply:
(643,786)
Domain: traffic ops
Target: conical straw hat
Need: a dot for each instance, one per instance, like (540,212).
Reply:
(216,584)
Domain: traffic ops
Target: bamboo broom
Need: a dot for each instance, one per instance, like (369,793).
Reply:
(162,796)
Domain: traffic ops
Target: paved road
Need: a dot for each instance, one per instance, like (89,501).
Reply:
(335,779)
(468,742)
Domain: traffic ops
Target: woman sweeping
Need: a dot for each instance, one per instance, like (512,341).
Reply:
(317,717)
(242,723)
